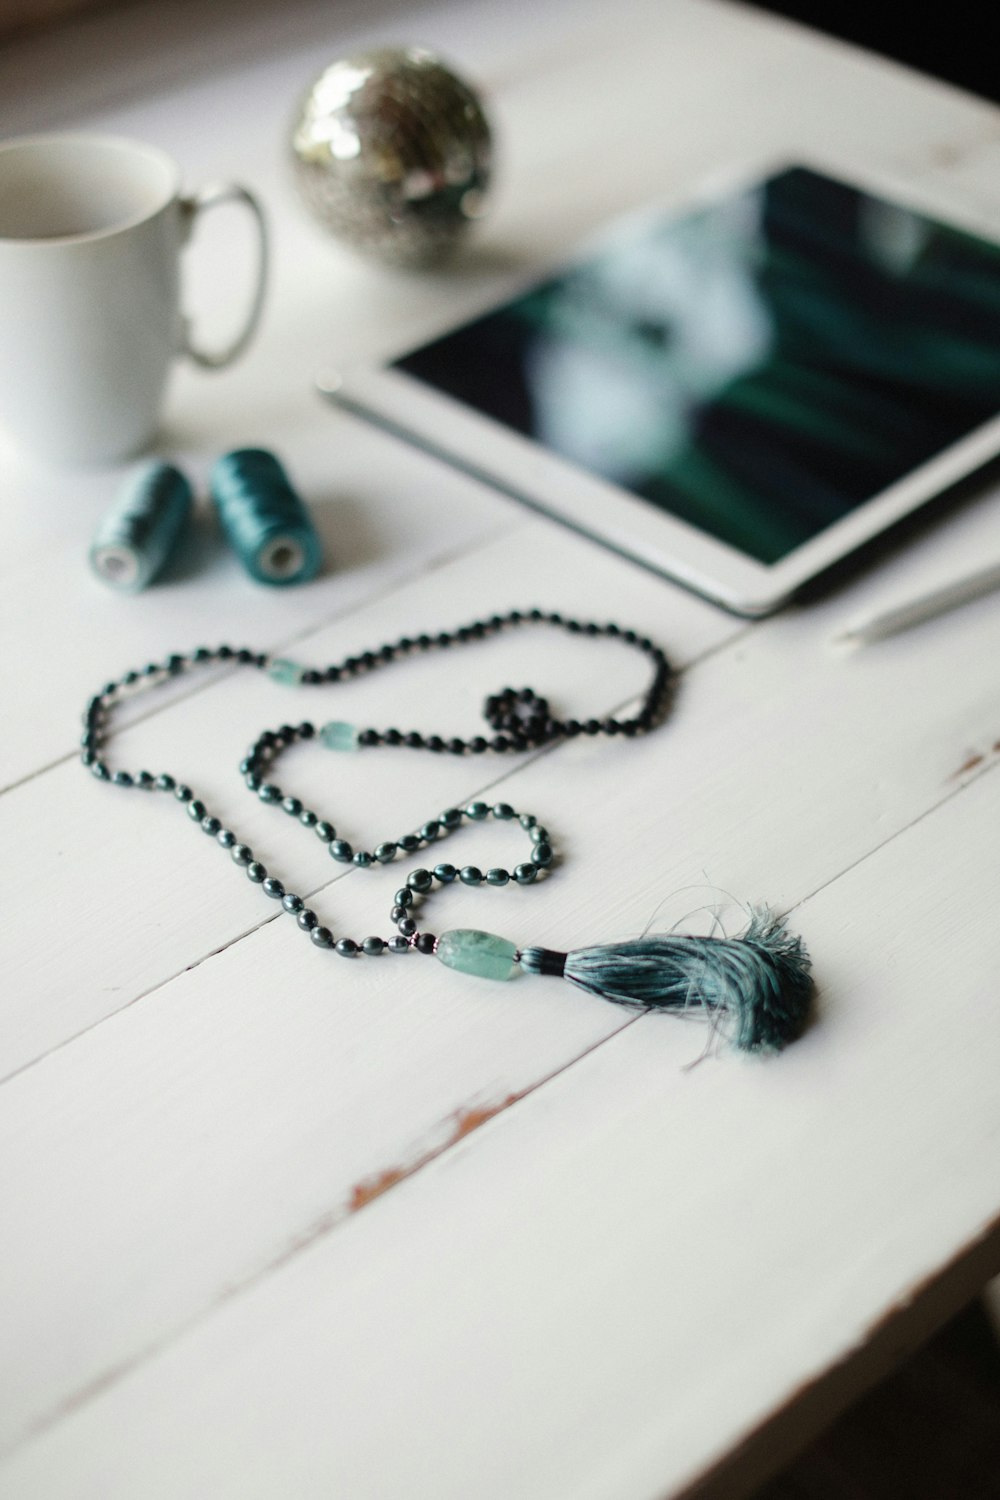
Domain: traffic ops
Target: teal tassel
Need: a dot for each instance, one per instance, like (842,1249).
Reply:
(760,983)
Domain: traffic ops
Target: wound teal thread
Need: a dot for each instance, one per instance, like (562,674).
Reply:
(264,520)
(139,534)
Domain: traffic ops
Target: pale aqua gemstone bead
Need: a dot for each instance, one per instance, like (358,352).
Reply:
(339,736)
(480,953)
(282,669)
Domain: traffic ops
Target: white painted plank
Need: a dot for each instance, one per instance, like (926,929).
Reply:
(323,1078)
(590,1297)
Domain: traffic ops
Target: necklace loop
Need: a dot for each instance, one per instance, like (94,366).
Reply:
(520,719)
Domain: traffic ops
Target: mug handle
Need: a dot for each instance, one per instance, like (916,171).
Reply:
(200,202)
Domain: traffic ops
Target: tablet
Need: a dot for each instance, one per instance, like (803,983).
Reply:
(735,393)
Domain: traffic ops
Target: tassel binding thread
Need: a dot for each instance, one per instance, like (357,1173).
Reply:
(759,985)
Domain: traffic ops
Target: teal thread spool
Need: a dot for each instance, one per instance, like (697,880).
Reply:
(140,532)
(265,522)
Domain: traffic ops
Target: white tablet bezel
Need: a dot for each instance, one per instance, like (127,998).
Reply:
(521,468)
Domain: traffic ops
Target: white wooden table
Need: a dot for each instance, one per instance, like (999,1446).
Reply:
(277,1226)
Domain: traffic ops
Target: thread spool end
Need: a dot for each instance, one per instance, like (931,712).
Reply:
(281,558)
(117,566)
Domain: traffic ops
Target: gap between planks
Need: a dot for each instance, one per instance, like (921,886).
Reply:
(981,766)
(466,1120)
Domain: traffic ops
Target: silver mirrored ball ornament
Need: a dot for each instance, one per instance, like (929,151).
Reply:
(392,154)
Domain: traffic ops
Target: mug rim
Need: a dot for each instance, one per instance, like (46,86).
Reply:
(131,144)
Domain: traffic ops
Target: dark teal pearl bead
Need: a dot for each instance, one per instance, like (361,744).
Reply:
(273,888)
(398,945)
(409,842)
(242,854)
(407,926)
(420,880)
(525,874)
(470,875)
(539,835)
(307,919)
(122,778)
(292,903)
(477,811)
(165,782)
(341,850)
(183,793)
(397,913)
(386,853)
(196,810)
(363,859)
(542,854)
(324,831)
(450,818)
(445,873)
(430,831)
(347,947)
(226,838)
(211,826)
(497,876)
(404,897)
(322,937)
(292,806)
(372,945)
(503,811)
(256,871)
(269,792)
(307,818)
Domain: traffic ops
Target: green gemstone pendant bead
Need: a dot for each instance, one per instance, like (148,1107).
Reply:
(339,736)
(480,953)
(287,672)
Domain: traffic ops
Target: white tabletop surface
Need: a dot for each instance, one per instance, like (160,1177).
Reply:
(275,1225)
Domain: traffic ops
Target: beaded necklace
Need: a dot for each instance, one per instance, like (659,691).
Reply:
(759,983)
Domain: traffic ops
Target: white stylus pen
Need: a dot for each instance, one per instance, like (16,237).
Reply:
(913,611)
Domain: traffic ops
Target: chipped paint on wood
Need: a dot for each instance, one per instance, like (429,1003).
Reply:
(370,1188)
(468,1120)
(463,1122)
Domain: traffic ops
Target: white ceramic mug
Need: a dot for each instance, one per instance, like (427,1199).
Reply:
(91,230)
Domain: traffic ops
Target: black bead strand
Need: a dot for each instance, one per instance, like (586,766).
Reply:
(518,720)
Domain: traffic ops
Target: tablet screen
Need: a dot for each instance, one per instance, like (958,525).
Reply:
(758,368)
